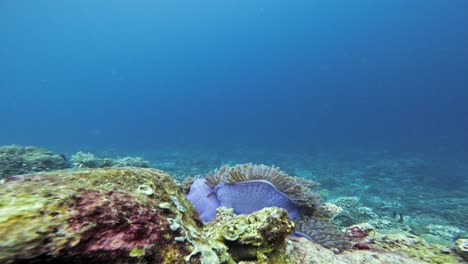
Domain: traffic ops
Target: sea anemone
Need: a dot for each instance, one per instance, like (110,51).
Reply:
(323,233)
(247,188)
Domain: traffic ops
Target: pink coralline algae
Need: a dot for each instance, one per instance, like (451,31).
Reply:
(115,224)
(356,233)
(95,216)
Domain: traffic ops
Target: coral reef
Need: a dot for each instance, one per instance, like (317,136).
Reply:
(302,251)
(17,160)
(352,212)
(100,216)
(448,233)
(131,162)
(140,215)
(414,247)
(89,160)
(409,169)
(330,210)
(365,236)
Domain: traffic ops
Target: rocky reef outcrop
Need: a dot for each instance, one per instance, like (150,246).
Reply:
(16,160)
(462,248)
(110,215)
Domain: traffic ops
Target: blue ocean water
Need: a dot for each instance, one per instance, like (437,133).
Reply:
(276,82)
(296,77)
(221,73)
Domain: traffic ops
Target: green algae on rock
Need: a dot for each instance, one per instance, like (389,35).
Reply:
(96,215)
(251,237)
(16,160)
(461,247)
(414,247)
(302,251)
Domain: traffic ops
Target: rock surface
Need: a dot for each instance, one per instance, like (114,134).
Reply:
(461,247)
(99,216)
(258,236)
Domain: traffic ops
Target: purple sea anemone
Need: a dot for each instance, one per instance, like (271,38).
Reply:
(204,199)
(247,188)
(323,233)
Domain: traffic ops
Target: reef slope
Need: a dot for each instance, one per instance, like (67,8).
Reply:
(140,215)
